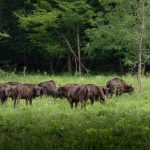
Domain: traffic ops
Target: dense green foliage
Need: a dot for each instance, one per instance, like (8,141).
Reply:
(120,123)
(33,33)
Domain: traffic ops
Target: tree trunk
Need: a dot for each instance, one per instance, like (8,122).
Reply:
(76,66)
(69,64)
(139,49)
(139,72)
(79,51)
(74,54)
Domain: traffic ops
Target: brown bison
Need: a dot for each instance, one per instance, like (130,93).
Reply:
(118,86)
(27,92)
(6,90)
(62,91)
(48,88)
(95,93)
(80,93)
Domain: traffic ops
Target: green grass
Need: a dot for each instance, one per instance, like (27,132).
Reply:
(120,123)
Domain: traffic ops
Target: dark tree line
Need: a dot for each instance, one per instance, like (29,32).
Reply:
(75,35)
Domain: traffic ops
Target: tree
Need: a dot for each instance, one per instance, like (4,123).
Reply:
(65,23)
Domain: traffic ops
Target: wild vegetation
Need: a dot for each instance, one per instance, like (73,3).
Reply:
(40,39)
(75,35)
(119,123)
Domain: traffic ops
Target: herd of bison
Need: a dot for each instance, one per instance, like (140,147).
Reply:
(74,93)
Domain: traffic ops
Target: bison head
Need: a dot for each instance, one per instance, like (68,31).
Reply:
(5,92)
(60,92)
(37,90)
(130,89)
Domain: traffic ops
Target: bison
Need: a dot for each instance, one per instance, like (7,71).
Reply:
(48,88)
(27,92)
(80,93)
(6,90)
(95,93)
(62,91)
(118,86)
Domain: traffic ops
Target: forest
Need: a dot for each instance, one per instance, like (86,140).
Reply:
(74,74)
(73,36)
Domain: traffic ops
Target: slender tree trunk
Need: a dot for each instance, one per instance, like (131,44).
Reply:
(74,54)
(76,65)
(69,64)
(79,50)
(139,49)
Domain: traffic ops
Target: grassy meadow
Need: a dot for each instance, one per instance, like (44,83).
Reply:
(119,123)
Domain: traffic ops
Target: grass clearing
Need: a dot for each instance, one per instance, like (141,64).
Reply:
(120,123)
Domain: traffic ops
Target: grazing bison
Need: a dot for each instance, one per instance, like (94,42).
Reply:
(62,91)
(118,86)
(80,93)
(48,88)
(27,92)
(6,90)
(95,93)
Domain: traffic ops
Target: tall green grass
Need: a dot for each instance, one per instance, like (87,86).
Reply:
(119,123)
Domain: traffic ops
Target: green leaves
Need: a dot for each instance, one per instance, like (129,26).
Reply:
(115,30)
(42,18)
(4,35)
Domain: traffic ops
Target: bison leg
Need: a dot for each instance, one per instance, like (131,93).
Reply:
(92,102)
(102,100)
(76,104)
(71,104)
(82,104)
(30,101)
(15,102)
(118,93)
(111,95)
(3,100)
(26,102)
(18,100)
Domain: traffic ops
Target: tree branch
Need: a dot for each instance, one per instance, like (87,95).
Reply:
(72,51)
